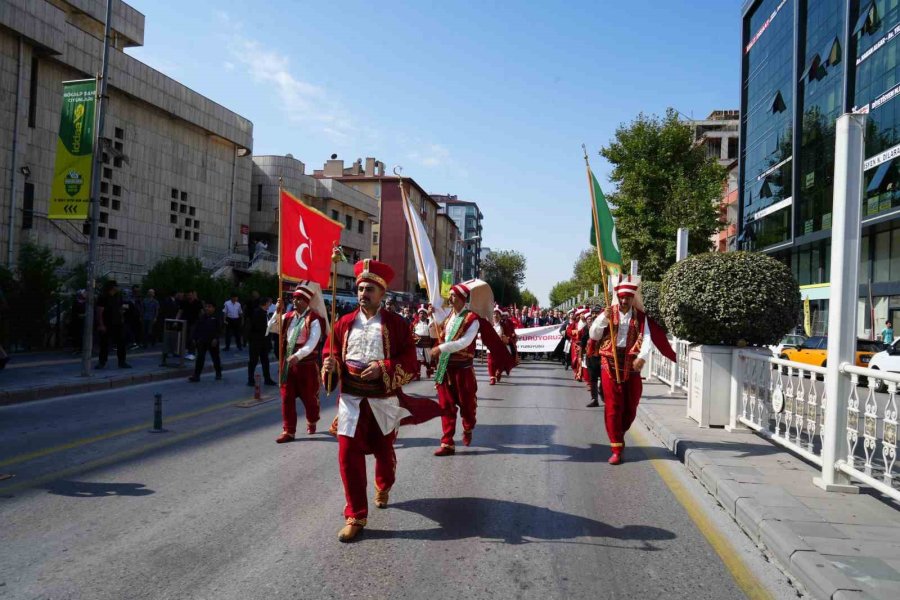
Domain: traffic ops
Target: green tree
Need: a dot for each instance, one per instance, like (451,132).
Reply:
(36,290)
(184,275)
(504,271)
(663,182)
(529,299)
(564,290)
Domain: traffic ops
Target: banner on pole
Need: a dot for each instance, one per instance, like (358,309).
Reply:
(70,193)
(446,283)
(534,339)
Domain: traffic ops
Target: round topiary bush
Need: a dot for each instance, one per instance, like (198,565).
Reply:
(650,295)
(730,299)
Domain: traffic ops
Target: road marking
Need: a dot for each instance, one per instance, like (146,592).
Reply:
(112,434)
(730,557)
(121,456)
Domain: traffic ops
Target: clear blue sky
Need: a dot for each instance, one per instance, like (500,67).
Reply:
(489,101)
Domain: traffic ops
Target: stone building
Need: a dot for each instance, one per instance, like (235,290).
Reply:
(469,219)
(176,180)
(357,211)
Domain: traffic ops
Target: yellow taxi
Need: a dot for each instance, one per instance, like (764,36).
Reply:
(814,351)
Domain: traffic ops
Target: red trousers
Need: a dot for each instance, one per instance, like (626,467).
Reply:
(352,451)
(492,371)
(303,382)
(457,394)
(621,403)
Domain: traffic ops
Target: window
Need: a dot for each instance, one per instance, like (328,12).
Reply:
(184,196)
(104,217)
(105,158)
(116,204)
(86,228)
(118,146)
(335,215)
(173,206)
(117,190)
(348,220)
(174,194)
(187,222)
(33,92)
(113,234)
(117,161)
(104,187)
(104,201)
(196,224)
(28,206)
(259,198)
(183,209)
(178,234)
(192,210)
(778,104)
(374,237)
(196,236)
(107,172)
(362,226)
(101,232)
(173,219)
(120,133)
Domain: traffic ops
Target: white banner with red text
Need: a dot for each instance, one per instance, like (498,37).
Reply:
(534,339)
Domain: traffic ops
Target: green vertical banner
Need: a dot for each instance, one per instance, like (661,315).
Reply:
(446,283)
(70,194)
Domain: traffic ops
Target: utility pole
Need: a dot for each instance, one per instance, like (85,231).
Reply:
(87,344)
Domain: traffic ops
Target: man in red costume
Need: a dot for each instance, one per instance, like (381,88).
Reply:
(373,354)
(632,331)
(303,332)
(425,335)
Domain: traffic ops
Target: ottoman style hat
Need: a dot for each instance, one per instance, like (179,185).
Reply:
(312,293)
(479,296)
(373,271)
(628,285)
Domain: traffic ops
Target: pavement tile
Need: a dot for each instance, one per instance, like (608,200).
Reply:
(728,492)
(749,514)
(872,574)
(879,533)
(820,576)
(850,595)
(853,547)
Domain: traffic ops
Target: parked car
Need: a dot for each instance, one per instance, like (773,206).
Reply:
(887,360)
(791,340)
(814,351)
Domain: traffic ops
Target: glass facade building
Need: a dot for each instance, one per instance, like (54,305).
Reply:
(804,63)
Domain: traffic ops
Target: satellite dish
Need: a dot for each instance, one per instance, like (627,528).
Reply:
(333,156)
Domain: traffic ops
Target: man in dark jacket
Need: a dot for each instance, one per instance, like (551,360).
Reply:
(259,342)
(206,339)
(110,325)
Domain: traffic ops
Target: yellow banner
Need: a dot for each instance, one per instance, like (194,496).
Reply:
(70,194)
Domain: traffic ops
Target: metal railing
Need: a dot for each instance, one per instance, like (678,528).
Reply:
(785,402)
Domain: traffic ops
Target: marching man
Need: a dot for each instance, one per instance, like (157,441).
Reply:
(424,333)
(504,329)
(372,354)
(303,332)
(633,331)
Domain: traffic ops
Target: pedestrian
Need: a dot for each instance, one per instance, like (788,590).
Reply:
(189,312)
(134,308)
(887,334)
(111,325)
(506,333)
(206,332)
(234,314)
(76,320)
(424,334)
(592,360)
(258,341)
(373,356)
(303,331)
(150,315)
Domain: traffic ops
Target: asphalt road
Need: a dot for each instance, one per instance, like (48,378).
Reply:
(213,508)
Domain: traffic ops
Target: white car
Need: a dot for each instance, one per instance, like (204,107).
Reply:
(887,360)
(788,341)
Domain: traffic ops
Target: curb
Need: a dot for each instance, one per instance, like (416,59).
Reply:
(816,574)
(80,387)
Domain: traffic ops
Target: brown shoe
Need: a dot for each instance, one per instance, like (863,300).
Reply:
(284,437)
(467,438)
(381,498)
(310,428)
(352,529)
(445,451)
(334,426)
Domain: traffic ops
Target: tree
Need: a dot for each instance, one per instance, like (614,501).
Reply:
(184,275)
(664,182)
(564,290)
(529,299)
(36,290)
(504,271)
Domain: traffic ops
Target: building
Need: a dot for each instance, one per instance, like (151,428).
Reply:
(357,211)
(447,249)
(469,220)
(176,180)
(805,63)
(726,239)
(393,244)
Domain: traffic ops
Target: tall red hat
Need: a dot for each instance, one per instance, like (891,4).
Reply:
(461,290)
(373,271)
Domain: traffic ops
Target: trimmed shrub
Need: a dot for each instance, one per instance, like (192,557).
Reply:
(650,295)
(731,299)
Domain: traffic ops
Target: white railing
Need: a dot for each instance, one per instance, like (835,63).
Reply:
(785,402)
(675,375)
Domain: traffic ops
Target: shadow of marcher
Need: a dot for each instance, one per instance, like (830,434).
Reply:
(86,489)
(509,522)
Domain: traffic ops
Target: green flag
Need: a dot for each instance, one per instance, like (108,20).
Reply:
(609,243)
(70,192)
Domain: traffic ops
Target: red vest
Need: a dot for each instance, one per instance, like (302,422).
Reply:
(315,355)
(465,355)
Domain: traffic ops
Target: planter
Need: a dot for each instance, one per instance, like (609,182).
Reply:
(709,384)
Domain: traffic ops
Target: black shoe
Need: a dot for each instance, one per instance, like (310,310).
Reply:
(193,379)
(218,376)
(593,404)
(271,382)
(100,366)
(124,366)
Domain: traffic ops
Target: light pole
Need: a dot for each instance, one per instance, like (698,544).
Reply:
(466,241)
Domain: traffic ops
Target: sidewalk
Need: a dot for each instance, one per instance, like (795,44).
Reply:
(836,545)
(42,375)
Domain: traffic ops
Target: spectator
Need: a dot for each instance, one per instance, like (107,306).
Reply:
(259,342)
(234,314)
(205,334)
(76,320)
(134,321)
(110,324)
(150,315)
(190,310)
(887,334)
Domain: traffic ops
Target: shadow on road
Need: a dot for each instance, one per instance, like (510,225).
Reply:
(86,489)
(512,523)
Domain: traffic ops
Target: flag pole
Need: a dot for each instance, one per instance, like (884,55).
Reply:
(613,334)
(336,257)
(280,285)
(420,260)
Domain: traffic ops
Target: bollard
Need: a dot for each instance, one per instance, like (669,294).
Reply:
(157,414)
(257,393)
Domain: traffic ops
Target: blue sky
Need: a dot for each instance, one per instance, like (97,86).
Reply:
(487,100)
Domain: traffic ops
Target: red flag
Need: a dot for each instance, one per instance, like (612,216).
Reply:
(306,239)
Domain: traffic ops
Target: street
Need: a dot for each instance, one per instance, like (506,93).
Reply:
(213,508)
